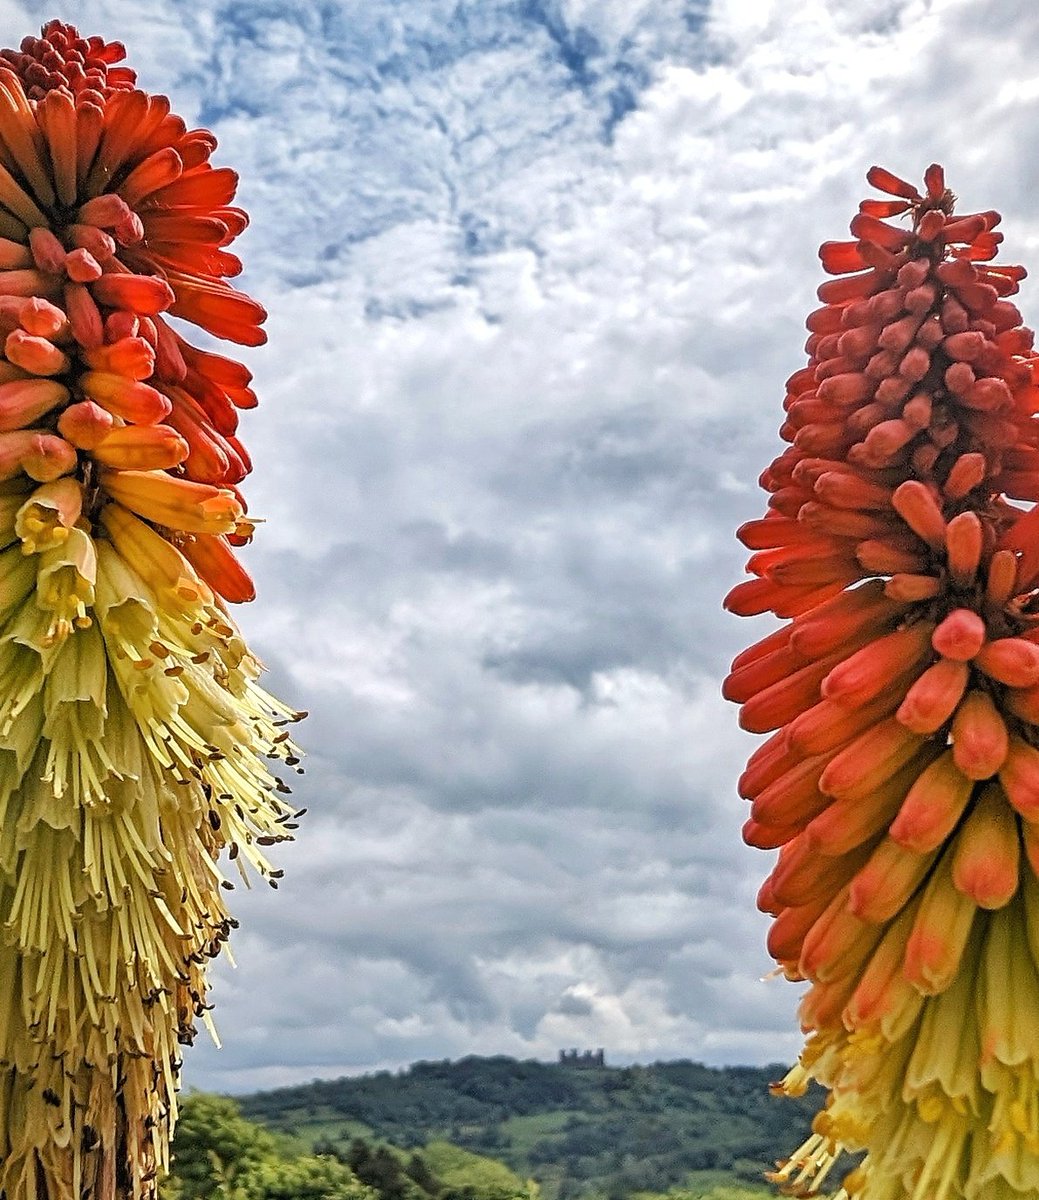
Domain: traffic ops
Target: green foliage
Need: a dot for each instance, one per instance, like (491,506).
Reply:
(600,1133)
(214,1147)
(477,1129)
(306,1178)
(389,1174)
(588,1132)
(467,1176)
(711,1192)
(219,1155)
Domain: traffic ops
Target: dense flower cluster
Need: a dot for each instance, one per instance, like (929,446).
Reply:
(901,780)
(133,732)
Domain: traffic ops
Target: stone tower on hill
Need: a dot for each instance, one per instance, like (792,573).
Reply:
(582,1058)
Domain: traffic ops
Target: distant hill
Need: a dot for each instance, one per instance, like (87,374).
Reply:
(579,1130)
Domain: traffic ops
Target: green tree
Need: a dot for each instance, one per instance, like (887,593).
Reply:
(385,1171)
(306,1178)
(214,1146)
(418,1172)
(467,1176)
(219,1155)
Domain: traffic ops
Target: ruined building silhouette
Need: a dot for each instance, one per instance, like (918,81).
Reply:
(582,1058)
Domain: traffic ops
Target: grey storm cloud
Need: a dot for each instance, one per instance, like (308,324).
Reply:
(536,273)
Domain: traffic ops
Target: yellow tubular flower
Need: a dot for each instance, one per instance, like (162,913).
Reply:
(136,744)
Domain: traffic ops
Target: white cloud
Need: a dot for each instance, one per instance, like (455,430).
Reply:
(526,361)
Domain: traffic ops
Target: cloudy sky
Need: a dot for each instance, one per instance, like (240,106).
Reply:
(536,270)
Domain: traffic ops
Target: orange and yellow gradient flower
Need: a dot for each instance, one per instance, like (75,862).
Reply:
(900,782)
(135,742)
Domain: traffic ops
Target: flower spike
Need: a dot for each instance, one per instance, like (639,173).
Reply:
(901,780)
(135,741)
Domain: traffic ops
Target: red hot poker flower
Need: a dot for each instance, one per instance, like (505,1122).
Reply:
(901,777)
(135,740)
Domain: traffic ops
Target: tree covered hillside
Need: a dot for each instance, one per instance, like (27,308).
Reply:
(577,1130)
(220,1155)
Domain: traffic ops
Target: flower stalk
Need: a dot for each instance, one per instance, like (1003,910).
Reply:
(136,743)
(900,782)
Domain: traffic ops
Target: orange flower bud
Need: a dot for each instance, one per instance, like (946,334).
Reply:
(979,737)
(1024,703)
(885,884)
(760,595)
(34,354)
(837,944)
(802,875)
(933,806)
(23,402)
(770,760)
(960,636)
(82,266)
(782,701)
(145,294)
(866,673)
(216,563)
(41,456)
(870,760)
(798,570)
(890,556)
(884,181)
(963,547)
(833,624)
(85,424)
(844,389)
(131,357)
(839,258)
(156,171)
(907,589)
(844,490)
(1002,576)
(1012,661)
(14,255)
(48,253)
(141,448)
(84,316)
(794,797)
(843,522)
(986,853)
(860,813)
(934,697)
(768,837)
(43,319)
(99,245)
(1019,776)
(742,684)
(883,994)
(916,505)
(105,211)
(133,401)
(27,283)
(965,475)
(212,459)
(939,934)
(830,724)
(763,649)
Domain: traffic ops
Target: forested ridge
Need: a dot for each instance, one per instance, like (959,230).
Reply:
(579,1131)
